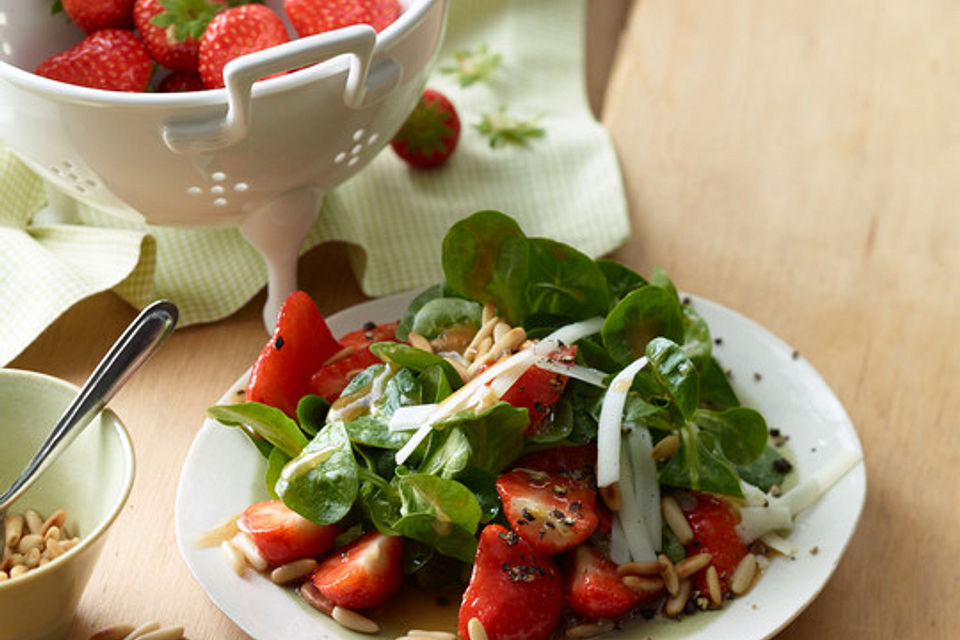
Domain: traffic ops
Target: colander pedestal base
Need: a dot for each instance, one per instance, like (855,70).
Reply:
(277,230)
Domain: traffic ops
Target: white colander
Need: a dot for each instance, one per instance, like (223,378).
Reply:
(256,156)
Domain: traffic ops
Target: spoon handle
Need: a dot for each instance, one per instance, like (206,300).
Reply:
(138,342)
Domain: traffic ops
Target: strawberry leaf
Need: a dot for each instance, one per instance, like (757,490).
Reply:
(502,129)
(473,66)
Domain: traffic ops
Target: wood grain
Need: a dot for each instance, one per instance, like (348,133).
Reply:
(798,161)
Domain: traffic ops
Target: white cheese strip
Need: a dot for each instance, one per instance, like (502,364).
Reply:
(611,417)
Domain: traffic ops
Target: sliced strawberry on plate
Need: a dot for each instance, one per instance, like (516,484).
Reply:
(282,535)
(537,390)
(111,59)
(330,379)
(594,589)
(316,16)
(515,592)
(577,460)
(553,512)
(363,574)
(301,342)
(714,522)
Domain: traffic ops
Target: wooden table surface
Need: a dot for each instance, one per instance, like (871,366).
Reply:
(798,161)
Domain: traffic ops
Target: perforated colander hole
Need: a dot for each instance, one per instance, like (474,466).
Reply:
(216,189)
(340,157)
(357,148)
(194,191)
(354,160)
(6,48)
(357,135)
(219,202)
(373,138)
(218,176)
(241,186)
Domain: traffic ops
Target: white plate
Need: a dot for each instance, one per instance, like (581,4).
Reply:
(222,474)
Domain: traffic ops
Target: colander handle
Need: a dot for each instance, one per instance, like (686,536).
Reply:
(239,75)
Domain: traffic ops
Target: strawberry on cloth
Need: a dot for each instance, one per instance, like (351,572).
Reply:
(515,592)
(111,59)
(94,15)
(235,32)
(171,29)
(316,16)
(430,134)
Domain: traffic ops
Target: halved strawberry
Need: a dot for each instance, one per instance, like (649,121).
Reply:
(363,574)
(282,535)
(515,592)
(594,589)
(554,512)
(714,531)
(537,390)
(330,379)
(301,342)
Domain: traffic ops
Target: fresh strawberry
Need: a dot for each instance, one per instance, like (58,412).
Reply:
(94,15)
(363,574)
(714,531)
(111,59)
(235,32)
(171,29)
(429,136)
(594,589)
(515,592)
(537,390)
(554,512)
(316,16)
(301,342)
(334,376)
(181,81)
(282,535)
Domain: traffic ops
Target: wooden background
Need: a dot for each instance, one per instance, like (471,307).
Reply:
(798,161)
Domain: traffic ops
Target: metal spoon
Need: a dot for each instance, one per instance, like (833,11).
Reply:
(147,331)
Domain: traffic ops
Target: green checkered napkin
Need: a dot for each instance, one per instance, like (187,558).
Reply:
(565,185)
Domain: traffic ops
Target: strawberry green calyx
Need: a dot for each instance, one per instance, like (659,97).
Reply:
(473,65)
(502,129)
(188,18)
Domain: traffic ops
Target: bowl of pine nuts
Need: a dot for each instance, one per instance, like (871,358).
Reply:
(54,532)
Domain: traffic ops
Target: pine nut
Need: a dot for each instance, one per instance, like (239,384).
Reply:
(53,548)
(33,520)
(4,576)
(743,575)
(486,328)
(500,329)
(666,447)
(53,533)
(432,635)
(419,342)
(32,557)
(245,545)
(56,519)
(18,570)
(235,559)
(30,541)
(475,630)
(675,519)
(315,599)
(353,620)
(713,586)
(611,496)
(643,584)
(287,573)
(114,632)
(461,370)
(167,633)
(639,568)
(675,604)
(13,529)
(69,544)
(589,629)
(142,629)
(669,574)
(691,564)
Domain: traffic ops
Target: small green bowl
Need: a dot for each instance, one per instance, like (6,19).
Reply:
(90,480)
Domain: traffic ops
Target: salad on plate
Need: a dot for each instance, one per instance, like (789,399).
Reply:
(546,435)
